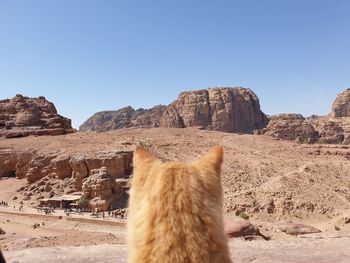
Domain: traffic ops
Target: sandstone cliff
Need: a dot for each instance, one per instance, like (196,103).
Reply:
(291,127)
(55,173)
(341,105)
(22,116)
(333,128)
(220,109)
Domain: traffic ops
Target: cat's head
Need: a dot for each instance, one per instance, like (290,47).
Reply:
(174,207)
(202,175)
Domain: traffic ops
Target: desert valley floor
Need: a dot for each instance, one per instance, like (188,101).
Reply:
(273,182)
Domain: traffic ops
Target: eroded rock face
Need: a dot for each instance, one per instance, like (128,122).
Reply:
(22,116)
(329,131)
(104,191)
(291,127)
(341,105)
(220,109)
(55,173)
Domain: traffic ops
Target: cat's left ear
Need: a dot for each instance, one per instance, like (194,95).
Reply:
(143,156)
(213,158)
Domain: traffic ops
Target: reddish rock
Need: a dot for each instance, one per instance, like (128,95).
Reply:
(341,105)
(53,173)
(238,227)
(296,229)
(79,170)
(61,168)
(40,166)
(22,116)
(104,191)
(291,127)
(221,109)
(329,131)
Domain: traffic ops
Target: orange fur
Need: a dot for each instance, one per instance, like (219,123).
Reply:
(175,211)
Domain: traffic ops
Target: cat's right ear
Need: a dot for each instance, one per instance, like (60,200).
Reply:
(142,156)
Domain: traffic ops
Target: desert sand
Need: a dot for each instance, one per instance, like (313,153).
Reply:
(270,181)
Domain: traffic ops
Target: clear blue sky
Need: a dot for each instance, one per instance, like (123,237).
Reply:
(88,56)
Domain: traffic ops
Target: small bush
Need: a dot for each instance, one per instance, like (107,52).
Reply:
(243,215)
(83,201)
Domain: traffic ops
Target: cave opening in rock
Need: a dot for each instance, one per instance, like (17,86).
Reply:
(9,174)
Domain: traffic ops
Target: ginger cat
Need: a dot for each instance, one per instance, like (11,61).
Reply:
(175,210)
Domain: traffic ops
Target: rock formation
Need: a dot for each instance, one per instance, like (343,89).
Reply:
(291,127)
(23,116)
(329,131)
(333,128)
(341,105)
(296,228)
(104,192)
(54,173)
(238,227)
(220,109)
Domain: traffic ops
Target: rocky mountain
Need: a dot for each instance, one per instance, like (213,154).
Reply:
(22,116)
(333,128)
(291,127)
(219,109)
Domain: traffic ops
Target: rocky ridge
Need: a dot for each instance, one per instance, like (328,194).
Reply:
(219,109)
(22,116)
(99,175)
(332,129)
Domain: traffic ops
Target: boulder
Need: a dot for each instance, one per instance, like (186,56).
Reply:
(103,191)
(291,127)
(329,132)
(296,228)
(220,109)
(238,227)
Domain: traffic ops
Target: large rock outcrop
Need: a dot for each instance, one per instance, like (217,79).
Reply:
(341,105)
(329,131)
(103,176)
(333,128)
(291,127)
(23,116)
(220,109)
(104,191)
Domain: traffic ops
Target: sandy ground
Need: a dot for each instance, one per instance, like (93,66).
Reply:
(307,184)
(297,251)
(20,233)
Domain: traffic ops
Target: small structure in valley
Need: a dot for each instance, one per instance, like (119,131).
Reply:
(62,202)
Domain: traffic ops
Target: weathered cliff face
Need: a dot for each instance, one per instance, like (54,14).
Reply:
(23,116)
(329,131)
(54,173)
(104,192)
(333,128)
(291,127)
(341,105)
(220,109)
